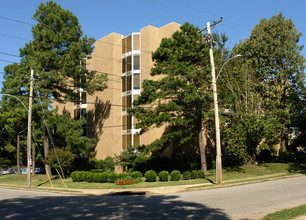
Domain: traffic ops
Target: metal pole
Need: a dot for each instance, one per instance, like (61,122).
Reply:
(29,130)
(217,126)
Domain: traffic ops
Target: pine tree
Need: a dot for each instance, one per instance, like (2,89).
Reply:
(13,114)
(58,54)
(182,97)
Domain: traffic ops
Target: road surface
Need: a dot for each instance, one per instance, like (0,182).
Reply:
(251,201)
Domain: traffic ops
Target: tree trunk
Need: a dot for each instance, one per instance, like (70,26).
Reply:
(284,143)
(46,152)
(33,159)
(18,154)
(202,151)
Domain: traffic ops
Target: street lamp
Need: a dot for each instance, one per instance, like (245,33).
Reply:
(217,125)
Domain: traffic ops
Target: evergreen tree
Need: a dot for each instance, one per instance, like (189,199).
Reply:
(13,114)
(181,97)
(58,54)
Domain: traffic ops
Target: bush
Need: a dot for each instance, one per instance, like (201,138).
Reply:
(150,176)
(79,176)
(99,164)
(112,177)
(163,176)
(83,176)
(104,177)
(90,177)
(74,176)
(96,170)
(175,175)
(138,180)
(109,164)
(136,174)
(122,176)
(96,177)
(200,174)
(194,174)
(186,175)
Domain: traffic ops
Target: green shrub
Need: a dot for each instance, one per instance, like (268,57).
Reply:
(96,177)
(163,176)
(122,176)
(104,177)
(175,175)
(80,176)
(194,174)
(84,175)
(136,174)
(200,174)
(100,164)
(186,175)
(96,170)
(112,177)
(90,177)
(150,176)
(138,180)
(74,176)
(109,164)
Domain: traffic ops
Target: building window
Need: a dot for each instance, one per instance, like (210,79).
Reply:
(126,140)
(136,77)
(136,140)
(136,65)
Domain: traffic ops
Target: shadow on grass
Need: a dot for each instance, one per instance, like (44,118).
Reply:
(297,168)
(236,169)
(48,181)
(211,181)
(105,207)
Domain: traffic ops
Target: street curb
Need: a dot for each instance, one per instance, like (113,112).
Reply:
(149,191)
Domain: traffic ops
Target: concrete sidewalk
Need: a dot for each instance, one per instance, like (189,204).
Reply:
(157,190)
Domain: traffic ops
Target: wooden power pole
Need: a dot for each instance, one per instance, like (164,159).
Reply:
(29,130)
(217,126)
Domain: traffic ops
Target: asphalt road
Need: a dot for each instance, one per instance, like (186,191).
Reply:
(251,201)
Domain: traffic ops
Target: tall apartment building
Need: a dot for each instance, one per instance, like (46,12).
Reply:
(127,60)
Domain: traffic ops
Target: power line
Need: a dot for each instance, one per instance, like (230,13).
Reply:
(8,54)
(15,20)
(12,36)
(8,61)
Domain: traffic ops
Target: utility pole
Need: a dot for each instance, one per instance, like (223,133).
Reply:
(29,129)
(217,126)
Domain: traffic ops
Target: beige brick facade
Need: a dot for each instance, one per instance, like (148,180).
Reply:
(127,60)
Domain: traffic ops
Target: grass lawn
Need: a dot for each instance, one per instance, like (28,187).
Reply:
(287,213)
(235,174)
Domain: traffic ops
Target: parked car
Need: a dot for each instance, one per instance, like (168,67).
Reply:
(4,172)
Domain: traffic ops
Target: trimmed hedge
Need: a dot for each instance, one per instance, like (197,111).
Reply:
(175,175)
(74,176)
(90,177)
(186,175)
(200,174)
(150,176)
(136,174)
(122,176)
(112,177)
(163,175)
(194,174)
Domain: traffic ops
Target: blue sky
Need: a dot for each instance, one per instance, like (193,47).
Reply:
(101,17)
